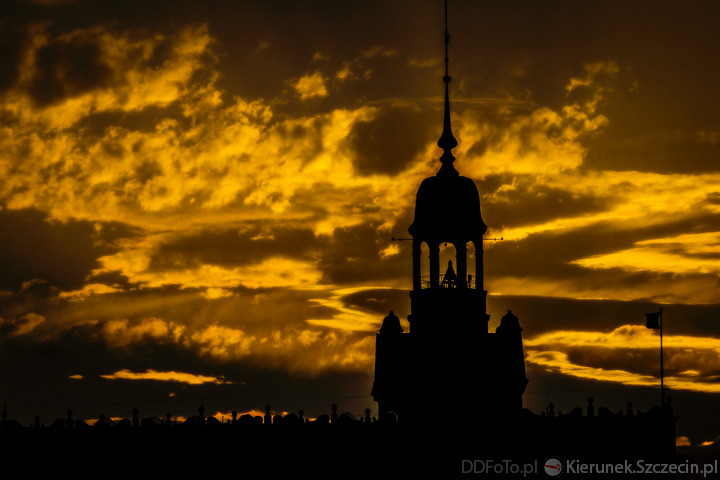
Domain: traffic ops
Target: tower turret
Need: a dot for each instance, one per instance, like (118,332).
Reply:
(447,211)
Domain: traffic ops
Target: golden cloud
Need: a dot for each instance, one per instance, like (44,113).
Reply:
(272,272)
(682,441)
(222,342)
(347,318)
(227,162)
(311,85)
(88,290)
(133,83)
(122,333)
(680,254)
(23,325)
(543,142)
(171,376)
(692,362)
(303,351)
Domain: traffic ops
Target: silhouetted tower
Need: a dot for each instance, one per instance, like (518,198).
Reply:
(447,212)
(448,362)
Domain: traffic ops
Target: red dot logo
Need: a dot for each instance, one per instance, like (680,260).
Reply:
(553,467)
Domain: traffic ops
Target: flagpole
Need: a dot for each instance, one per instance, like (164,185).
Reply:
(662,386)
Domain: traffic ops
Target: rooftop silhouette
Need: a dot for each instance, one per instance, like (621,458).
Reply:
(338,441)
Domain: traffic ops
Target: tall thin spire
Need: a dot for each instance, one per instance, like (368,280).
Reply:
(447,141)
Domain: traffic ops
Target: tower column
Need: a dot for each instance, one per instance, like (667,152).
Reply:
(479,266)
(461,260)
(417,264)
(434,264)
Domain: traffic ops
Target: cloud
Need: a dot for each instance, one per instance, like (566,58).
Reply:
(35,247)
(621,356)
(543,142)
(390,251)
(245,244)
(89,290)
(682,441)
(134,262)
(304,351)
(155,144)
(53,162)
(311,85)
(23,325)
(519,200)
(180,377)
(357,255)
(681,254)
(347,316)
(122,333)
(269,330)
(361,67)
(223,342)
(391,139)
(66,77)
(69,66)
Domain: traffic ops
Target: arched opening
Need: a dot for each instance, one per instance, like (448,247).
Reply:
(424,265)
(448,265)
(472,275)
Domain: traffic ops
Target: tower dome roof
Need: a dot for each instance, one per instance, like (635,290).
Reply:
(447,205)
(509,324)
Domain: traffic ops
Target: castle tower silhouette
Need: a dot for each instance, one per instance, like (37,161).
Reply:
(448,362)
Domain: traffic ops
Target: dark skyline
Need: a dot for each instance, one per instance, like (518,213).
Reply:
(199,198)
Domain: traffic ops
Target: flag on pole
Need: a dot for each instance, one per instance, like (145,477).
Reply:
(652,320)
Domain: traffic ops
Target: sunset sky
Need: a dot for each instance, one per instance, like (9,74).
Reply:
(198,198)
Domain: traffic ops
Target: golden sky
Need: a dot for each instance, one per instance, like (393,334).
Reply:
(198,199)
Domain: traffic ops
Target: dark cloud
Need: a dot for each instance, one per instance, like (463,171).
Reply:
(280,30)
(667,152)
(70,66)
(34,297)
(353,255)
(380,301)
(33,247)
(243,245)
(390,141)
(540,315)
(95,125)
(552,252)
(528,203)
(645,362)
(10,52)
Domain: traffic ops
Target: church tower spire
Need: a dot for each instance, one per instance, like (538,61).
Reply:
(447,140)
